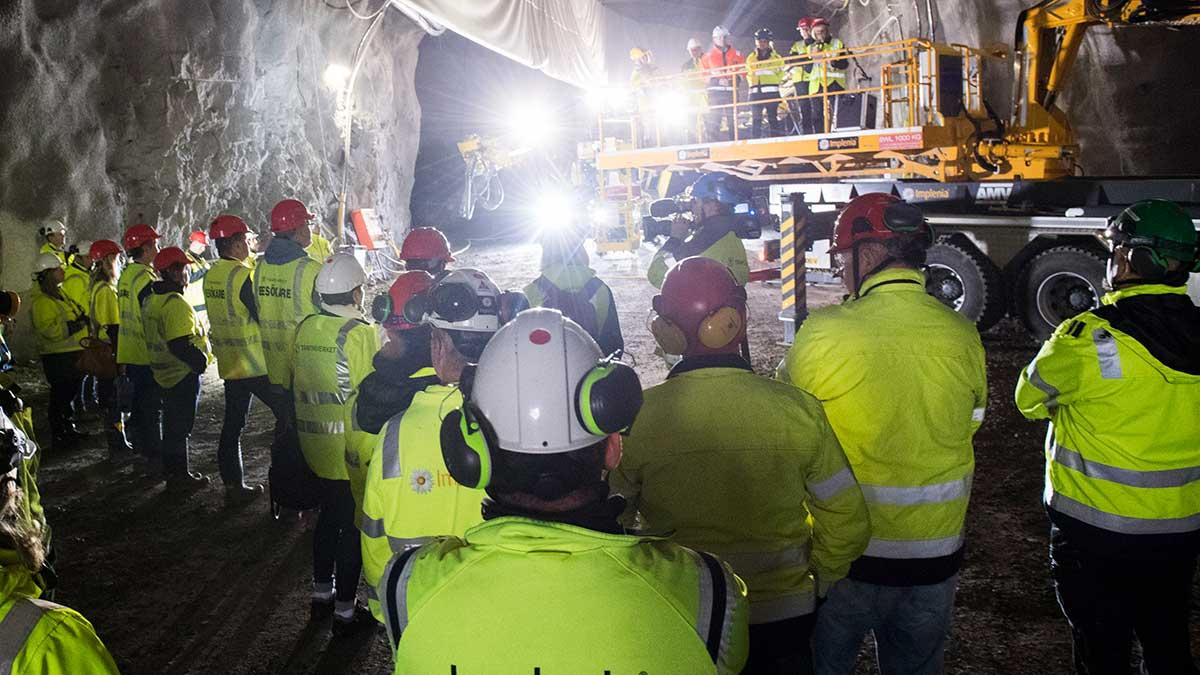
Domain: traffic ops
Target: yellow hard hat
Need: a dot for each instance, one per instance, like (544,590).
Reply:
(636,54)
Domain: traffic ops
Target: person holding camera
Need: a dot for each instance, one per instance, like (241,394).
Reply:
(712,232)
(59,323)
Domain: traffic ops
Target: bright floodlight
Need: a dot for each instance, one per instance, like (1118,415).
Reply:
(600,99)
(531,123)
(554,210)
(336,76)
(672,110)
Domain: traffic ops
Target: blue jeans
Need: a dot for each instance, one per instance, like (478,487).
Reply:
(909,623)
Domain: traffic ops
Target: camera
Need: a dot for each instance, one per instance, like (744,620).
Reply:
(749,217)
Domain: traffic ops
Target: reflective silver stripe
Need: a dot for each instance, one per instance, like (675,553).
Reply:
(399,544)
(320,397)
(1122,524)
(924,494)
(1164,478)
(16,627)
(786,607)
(1046,388)
(705,606)
(343,364)
(310,427)
(764,71)
(766,88)
(762,561)
(831,487)
(394,585)
(372,527)
(913,548)
(720,88)
(1106,350)
(391,448)
(977,414)
(297,292)
(229,295)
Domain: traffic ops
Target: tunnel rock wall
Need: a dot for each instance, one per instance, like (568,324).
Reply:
(173,111)
(1134,94)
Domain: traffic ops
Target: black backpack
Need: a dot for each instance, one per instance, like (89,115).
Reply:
(575,305)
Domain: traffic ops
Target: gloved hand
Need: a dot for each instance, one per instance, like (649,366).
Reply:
(76,325)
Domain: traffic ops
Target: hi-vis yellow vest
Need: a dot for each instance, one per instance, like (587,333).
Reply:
(50,317)
(284,295)
(194,291)
(167,317)
(131,343)
(410,495)
(337,354)
(1123,449)
(525,596)
(902,380)
(75,284)
(236,340)
(823,73)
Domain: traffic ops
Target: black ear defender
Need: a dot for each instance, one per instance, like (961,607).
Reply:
(905,218)
(608,398)
(381,307)
(466,449)
(1147,263)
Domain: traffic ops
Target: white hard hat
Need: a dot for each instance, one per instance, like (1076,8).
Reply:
(720,31)
(693,43)
(464,299)
(52,225)
(45,261)
(527,379)
(341,274)
(81,248)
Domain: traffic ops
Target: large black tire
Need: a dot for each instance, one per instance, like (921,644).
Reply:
(1058,284)
(963,278)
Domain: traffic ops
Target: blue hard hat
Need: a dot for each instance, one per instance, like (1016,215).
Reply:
(722,187)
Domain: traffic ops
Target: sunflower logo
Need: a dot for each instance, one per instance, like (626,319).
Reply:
(422,481)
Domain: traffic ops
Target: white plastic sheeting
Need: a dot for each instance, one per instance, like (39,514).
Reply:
(562,38)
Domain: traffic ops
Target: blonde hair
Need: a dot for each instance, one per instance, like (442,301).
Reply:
(17,531)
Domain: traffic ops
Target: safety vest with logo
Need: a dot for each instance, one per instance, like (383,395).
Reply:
(236,340)
(902,380)
(337,353)
(103,307)
(41,637)
(536,596)
(50,318)
(167,317)
(823,73)
(285,297)
(131,345)
(75,284)
(198,268)
(764,74)
(775,500)
(1123,450)
(410,496)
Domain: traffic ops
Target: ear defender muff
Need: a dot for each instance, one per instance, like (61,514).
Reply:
(381,307)
(1147,263)
(668,336)
(904,218)
(720,328)
(417,308)
(465,449)
(608,398)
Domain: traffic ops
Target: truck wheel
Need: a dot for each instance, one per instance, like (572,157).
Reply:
(1058,284)
(963,279)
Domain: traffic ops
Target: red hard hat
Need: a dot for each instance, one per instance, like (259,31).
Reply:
(199,236)
(403,289)
(138,235)
(818,22)
(224,226)
(289,215)
(876,216)
(702,298)
(169,257)
(426,243)
(804,22)
(102,248)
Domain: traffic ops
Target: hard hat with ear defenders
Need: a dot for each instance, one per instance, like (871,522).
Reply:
(701,310)
(542,387)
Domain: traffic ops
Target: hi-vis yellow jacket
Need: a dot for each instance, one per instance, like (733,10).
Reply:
(1123,450)
(903,381)
(41,637)
(774,498)
(519,595)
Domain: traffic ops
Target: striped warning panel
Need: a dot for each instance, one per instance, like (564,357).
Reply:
(787,258)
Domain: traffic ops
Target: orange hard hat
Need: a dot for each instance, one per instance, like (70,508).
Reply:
(701,309)
(426,243)
(169,257)
(102,248)
(877,216)
(289,215)
(139,234)
(225,226)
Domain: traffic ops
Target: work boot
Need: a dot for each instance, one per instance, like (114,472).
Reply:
(360,620)
(189,480)
(240,492)
(320,609)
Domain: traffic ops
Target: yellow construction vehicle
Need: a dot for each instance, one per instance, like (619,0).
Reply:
(1019,228)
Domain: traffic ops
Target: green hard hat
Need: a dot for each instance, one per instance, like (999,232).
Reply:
(1159,225)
